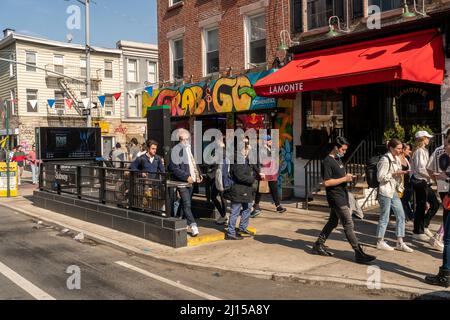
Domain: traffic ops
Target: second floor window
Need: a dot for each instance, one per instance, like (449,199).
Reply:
(31,61)
(109,105)
(59,99)
(108,69)
(58,62)
(83,68)
(386,5)
(151,72)
(177,59)
(32,96)
(132,70)
(319,11)
(212,50)
(256,29)
(133,102)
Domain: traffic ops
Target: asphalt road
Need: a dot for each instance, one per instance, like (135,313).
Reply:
(34,259)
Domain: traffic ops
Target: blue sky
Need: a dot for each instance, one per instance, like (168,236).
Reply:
(111,20)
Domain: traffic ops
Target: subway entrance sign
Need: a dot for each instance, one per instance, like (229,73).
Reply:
(4,179)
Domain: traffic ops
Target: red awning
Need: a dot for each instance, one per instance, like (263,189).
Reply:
(417,56)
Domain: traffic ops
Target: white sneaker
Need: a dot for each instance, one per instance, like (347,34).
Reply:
(421,236)
(436,244)
(194,230)
(403,247)
(221,220)
(381,245)
(428,232)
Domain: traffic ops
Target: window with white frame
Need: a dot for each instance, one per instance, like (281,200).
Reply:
(132,106)
(83,68)
(211,58)
(177,59)
(58,63)
(173,2)
(59,99)
(256,35)
(132,68)
(108,69)
(32,97)
(31,61)
(386,5)
(11,66)
(109,105)
(151,72)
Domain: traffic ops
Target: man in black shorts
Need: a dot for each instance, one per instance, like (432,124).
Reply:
(335,180)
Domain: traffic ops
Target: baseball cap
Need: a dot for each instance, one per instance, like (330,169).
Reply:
(422,133)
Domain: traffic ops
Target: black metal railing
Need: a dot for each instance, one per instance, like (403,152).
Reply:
(112,186)
(313,168)
(356,162)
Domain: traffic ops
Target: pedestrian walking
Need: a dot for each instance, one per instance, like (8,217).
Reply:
(438,165)
(443,276)
(241,195)
(390,177)
(335,180)
(34,164)
(149,163)
(426,201)
(118,155)
(405,160)
(185,170)
(271,177)
(134,149)
(19,156)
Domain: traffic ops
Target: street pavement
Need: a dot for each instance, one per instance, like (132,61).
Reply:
(35,257)
(281,251)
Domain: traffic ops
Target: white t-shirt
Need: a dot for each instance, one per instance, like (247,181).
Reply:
(433,165)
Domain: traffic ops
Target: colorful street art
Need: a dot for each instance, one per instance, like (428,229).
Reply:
(284,123)
(231,94)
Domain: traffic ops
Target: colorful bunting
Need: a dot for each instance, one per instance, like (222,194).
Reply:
(149,90)
(69,103)
(85,102)
(132,93)
(33,103)
(102,100)
(51,102)
(117,95)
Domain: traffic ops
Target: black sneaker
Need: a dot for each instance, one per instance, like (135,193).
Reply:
(280,209)
(236,237)
(255,213)
(320,250)
(246,233)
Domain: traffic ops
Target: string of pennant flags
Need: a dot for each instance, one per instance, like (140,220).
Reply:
(101,99)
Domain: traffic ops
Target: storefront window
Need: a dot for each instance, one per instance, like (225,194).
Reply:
(324,111)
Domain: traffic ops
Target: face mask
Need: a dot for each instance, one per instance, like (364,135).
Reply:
(339,155)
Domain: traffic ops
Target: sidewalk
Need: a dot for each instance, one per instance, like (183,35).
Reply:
(279,251)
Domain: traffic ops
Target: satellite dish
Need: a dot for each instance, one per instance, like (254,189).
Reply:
(69,38)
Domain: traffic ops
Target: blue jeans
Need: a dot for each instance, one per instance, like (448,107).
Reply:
(385,205)
(245,218)
(446,240)
(185,205)
(35,173)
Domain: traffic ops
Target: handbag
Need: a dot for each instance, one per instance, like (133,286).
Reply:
(263,187)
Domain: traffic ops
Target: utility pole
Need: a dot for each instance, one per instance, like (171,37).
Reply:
(88,63)
(8,173)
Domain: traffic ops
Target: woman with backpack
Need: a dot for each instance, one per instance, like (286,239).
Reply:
(390,177)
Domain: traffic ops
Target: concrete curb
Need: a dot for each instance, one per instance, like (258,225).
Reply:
(386,288)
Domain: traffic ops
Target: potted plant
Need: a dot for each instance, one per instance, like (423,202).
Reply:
(397,132)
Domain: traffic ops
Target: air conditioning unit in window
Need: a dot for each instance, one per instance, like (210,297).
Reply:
(108,113)
(60,112)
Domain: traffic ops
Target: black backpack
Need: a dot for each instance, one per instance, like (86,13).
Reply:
(372,171)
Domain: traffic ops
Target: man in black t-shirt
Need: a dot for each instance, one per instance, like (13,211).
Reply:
(335,180)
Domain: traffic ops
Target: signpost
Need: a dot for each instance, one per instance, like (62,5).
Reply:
(7,188)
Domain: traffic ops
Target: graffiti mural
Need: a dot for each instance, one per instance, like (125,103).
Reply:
(284,123)
(231,94)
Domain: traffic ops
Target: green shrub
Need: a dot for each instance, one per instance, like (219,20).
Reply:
(397,132)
